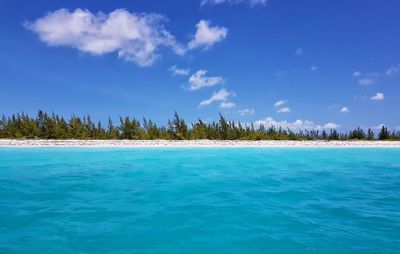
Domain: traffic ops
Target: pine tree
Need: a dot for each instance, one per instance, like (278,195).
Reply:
(199,130)
(177,128)
(53,126)
(370,135)
(151,129)
(112,132)
(384,133)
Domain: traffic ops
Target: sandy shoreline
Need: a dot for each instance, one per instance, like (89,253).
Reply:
(193,143)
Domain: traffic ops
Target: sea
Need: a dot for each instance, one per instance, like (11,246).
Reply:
(199,200)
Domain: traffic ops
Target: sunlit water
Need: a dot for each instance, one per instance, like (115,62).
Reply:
(199,200)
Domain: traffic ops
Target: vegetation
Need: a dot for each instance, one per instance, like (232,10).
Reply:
(52,126)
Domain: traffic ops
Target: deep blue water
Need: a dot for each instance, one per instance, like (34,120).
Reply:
(199,200)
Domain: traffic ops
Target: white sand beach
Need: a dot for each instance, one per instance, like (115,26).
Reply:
(195,143)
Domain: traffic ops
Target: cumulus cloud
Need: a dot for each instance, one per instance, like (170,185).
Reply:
(179,71)
(227,105)
(296,125)
(331,126)
(221,95)
(284,110)
(366,81)
(206,36)
(250,2)
(280,103)
(135,37)
(199,80)
(378,97)
(247,111)
(344,110)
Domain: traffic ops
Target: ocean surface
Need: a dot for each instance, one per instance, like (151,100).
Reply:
(287,200)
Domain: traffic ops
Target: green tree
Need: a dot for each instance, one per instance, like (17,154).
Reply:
(112,132)
(178,128)
(370,135)
(384,133)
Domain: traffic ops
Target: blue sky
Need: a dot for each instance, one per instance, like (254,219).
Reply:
(301,64)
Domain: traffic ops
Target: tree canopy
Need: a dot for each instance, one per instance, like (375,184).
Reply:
(53,126)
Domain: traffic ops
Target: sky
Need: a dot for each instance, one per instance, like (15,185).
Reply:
(299,64)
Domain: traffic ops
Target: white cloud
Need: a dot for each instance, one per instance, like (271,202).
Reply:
(344,110)
(227,105)
(373,77)
(378,97)
(221,95)
(299,51)
(247,111)
(199,80)
(314,68)
(366,81)
(250,2)
(206,36)
(135,37)
(296,125)
(284,110)
(379,126)
(393,70)
(331,126)
(179,71)
(280,103)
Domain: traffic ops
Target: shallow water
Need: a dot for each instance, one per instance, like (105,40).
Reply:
(199,200)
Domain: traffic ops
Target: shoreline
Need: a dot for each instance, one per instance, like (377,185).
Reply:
(31,143)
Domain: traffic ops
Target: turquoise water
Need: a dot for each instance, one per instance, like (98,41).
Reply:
(199,200)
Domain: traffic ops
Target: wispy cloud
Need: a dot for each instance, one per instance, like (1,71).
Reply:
(250,2)
(366,81)
(227,105)
(247,111)
(331,126)
(393,70)
(372,77)
(379,126)
(135,37)
(206,35)
(344,110)
(378,97)
(314,68)
(280,103)
(221,95)
(179,71)
(284,110)
(299,51)
(199,80)
(296,125)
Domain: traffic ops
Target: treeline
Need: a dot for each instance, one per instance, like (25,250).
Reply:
(52,126)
